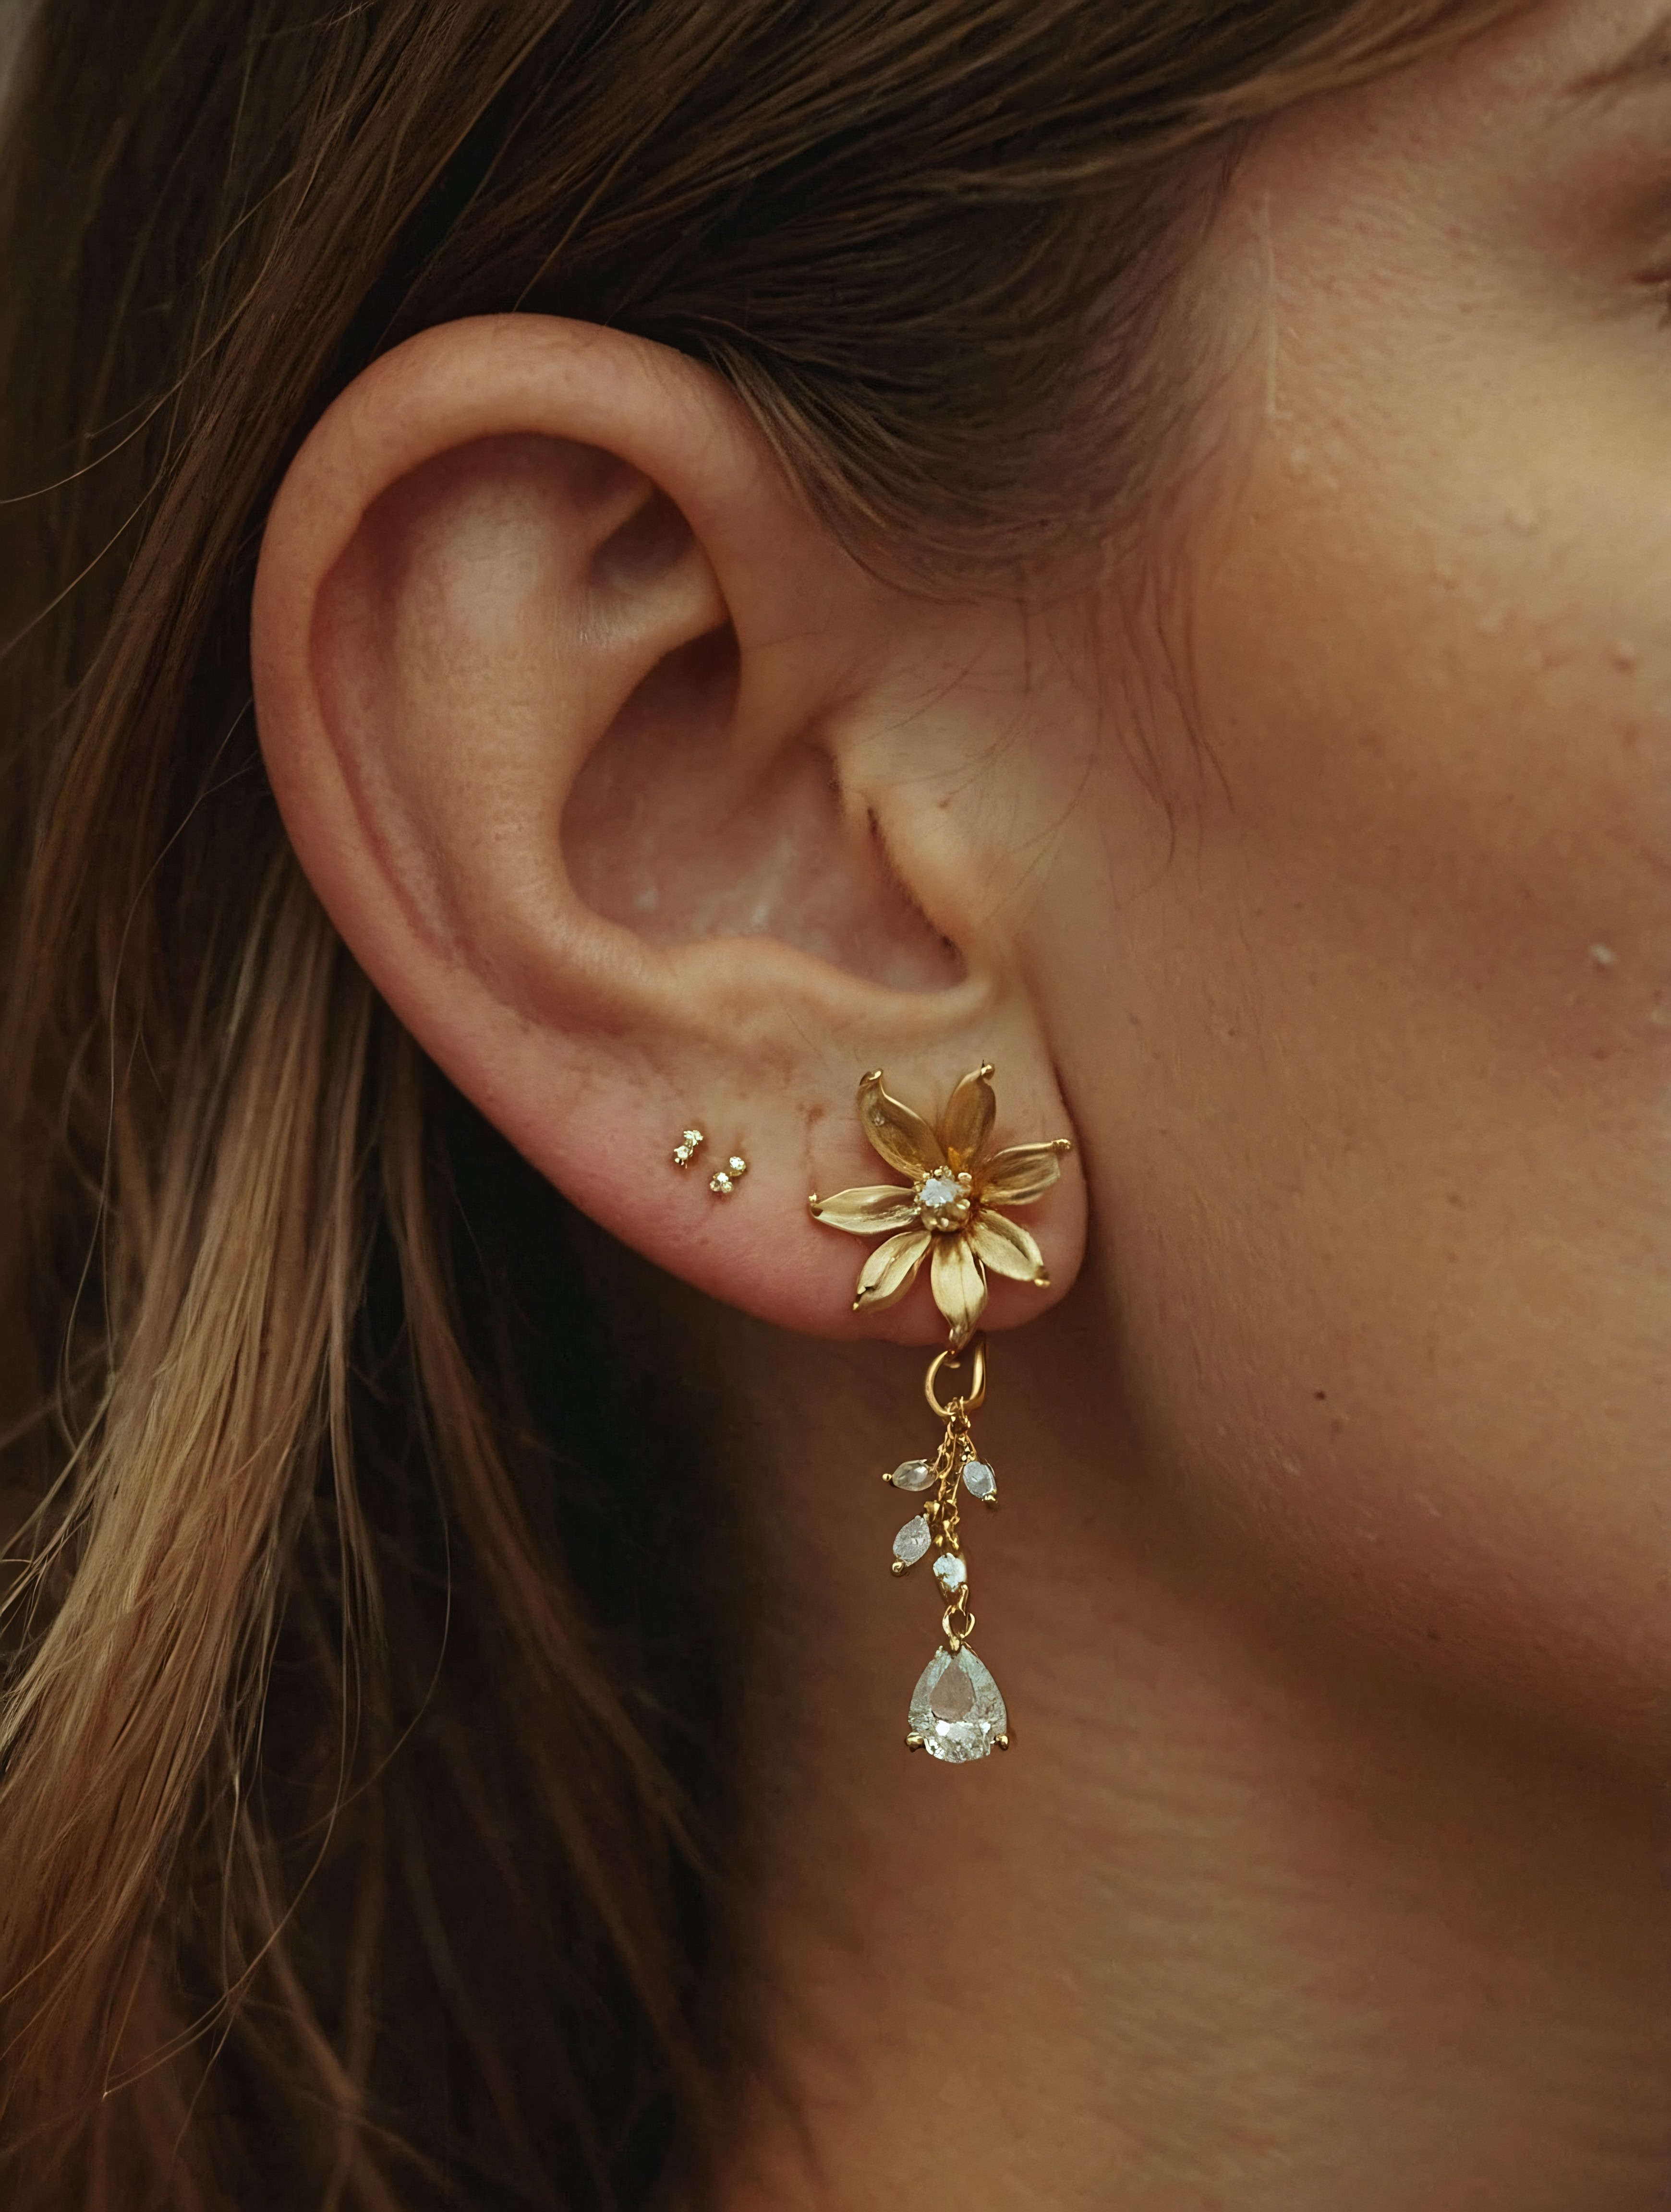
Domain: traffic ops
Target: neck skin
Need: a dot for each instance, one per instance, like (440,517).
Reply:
(1241,1919)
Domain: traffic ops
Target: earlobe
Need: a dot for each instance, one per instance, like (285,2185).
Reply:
(560,687)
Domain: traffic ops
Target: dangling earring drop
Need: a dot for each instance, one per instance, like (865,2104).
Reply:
(957,1182)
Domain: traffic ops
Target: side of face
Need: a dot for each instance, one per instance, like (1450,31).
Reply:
(1313,871)
(1369,1025)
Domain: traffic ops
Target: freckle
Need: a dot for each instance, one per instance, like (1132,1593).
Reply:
(1603,956)
(1624,655)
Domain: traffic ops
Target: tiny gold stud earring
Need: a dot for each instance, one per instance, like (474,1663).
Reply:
(687,1148)
(725,1180)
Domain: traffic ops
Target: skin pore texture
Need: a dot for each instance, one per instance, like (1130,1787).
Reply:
(1324,893)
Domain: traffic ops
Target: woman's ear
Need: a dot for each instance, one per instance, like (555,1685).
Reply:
(593,742)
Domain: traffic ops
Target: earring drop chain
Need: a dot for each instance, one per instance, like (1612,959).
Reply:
(955,1466)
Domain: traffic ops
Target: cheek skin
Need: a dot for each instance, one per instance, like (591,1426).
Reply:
(1383,1047)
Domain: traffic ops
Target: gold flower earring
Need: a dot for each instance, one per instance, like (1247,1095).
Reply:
(950,1217)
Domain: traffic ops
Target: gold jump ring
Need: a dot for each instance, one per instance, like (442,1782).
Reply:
(966,1400)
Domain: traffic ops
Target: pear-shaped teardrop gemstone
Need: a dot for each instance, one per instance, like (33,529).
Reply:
(912,1541)
(957,1709)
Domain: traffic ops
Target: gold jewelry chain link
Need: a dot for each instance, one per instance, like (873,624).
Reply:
(957,1447)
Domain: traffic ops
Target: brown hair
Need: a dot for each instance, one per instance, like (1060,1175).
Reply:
(362,1745)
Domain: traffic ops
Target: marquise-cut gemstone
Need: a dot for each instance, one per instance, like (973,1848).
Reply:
(912,1541)
(914,1475)
(957,1709)
(950,1571)
(978,1479)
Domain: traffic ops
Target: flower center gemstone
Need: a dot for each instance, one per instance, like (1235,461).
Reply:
(942,1201)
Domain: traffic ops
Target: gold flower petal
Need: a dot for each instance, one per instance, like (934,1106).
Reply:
(967,1121)
(959,1288)
(1007,1249)
(867,1210)
(903,1137)
(1024,1172)
(891,1270)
